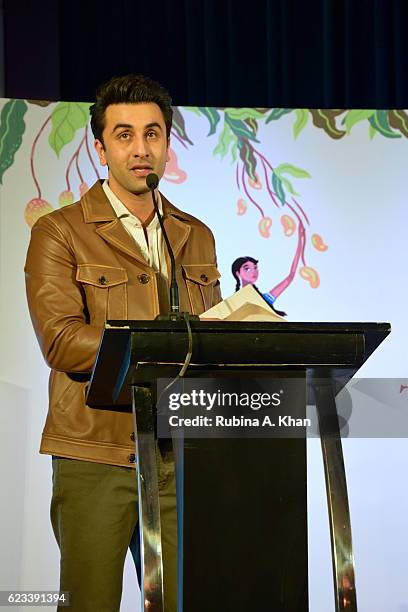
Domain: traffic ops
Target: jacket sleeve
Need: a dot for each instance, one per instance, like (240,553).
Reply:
(217,298)
(56,301)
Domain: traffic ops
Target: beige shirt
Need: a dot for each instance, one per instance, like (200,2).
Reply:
(152,249)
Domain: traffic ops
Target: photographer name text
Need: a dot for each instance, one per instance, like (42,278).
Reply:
(238,421)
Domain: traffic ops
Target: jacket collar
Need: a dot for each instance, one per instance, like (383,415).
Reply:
(97,209)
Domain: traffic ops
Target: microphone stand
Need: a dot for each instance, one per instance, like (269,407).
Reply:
(152,181)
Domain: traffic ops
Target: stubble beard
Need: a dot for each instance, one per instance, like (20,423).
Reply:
(133,187)
(140,190)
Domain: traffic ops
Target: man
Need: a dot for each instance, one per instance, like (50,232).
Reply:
(104,258)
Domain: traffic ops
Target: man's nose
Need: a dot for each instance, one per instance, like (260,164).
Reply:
(140,147)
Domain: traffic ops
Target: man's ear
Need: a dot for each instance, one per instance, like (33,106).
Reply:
(100,149)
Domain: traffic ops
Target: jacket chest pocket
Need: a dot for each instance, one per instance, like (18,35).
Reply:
(200,280)
(105,290)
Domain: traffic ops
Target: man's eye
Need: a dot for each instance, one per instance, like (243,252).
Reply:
(151,134)
(124,136)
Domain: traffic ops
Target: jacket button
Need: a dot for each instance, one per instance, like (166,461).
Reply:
(204,278)
(102,280)
(132,458)
(132,436)
(143,278)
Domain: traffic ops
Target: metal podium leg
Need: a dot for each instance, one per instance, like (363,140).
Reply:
(149,509)
(178,447)
(337,498)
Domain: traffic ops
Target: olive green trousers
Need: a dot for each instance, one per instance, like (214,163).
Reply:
(94,513)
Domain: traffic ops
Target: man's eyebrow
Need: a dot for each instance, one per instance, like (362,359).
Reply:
(121,125)
(154,124)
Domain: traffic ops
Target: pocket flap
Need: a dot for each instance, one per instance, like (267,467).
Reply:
(101,276)
(204,274)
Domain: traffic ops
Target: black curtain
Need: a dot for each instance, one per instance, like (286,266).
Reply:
(265,53)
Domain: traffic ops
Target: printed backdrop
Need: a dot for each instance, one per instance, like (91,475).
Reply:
(318,197)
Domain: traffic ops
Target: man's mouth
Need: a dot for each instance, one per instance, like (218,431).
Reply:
(143,170)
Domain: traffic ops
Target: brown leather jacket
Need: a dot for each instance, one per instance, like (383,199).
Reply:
(83,268)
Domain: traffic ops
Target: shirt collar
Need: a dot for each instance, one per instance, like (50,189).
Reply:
(121,210)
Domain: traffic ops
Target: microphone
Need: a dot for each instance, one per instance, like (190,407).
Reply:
(152,181)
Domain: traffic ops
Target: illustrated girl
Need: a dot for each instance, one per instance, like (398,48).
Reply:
(245,272)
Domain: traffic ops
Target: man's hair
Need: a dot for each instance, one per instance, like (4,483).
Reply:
(129,89)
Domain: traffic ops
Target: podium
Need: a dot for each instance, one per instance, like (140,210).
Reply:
(241,501)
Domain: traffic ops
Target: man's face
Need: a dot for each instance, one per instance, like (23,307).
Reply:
(134,145)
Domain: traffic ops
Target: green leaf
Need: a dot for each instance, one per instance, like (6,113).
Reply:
(243,113)
(67,118)
(379,122)
(302,117)
(12,128)
(288,186)
(234,151)
(224,141)
(355,116)
(179,125)
(277,113)
(371,131)
(239,128)
(292,170)
(213,117)
(278,188)
(193,109)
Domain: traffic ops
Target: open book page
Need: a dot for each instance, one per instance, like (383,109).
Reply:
(243,305)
